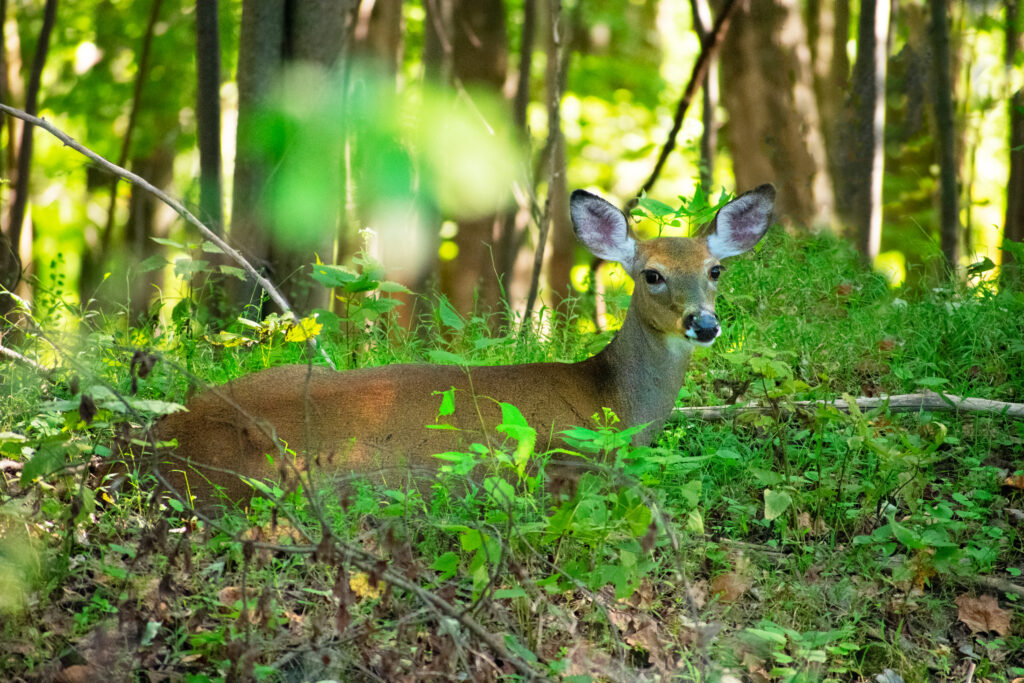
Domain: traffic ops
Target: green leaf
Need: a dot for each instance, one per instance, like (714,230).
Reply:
(775,503)
(449,316)
(49,458)
(447,402)
(232,271)
(447,564)
(655,208)
(932,382)
(906,536)
(510,593)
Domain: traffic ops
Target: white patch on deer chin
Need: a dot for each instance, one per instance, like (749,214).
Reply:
(678,345)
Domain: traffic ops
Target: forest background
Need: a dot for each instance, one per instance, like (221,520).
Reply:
(400,172)
(292,128)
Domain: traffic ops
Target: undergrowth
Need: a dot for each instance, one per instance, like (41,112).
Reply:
(793,544)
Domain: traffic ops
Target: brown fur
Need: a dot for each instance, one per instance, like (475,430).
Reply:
(375,421)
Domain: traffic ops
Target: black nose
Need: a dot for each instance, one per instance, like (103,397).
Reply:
(703,325)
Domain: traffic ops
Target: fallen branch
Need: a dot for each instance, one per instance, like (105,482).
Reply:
(14,355)
(898,403)
(178,207)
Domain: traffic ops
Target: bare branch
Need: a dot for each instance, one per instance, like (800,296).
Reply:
(700,69)
(178,207)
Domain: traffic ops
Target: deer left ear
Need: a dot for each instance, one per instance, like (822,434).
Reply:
(741,223)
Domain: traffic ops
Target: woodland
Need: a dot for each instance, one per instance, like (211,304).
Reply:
(194,192)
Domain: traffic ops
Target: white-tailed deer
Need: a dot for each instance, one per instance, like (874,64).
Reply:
(375,420)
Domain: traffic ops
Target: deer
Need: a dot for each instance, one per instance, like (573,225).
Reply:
(379,420)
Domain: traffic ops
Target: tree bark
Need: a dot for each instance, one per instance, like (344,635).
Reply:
(157,168)
(1013,225)
(949,226)
(208,114)
(10,259)
(259,60)
(479,42)
(702,24)
(272,35)
(862,140)
(774,129)
(828,29)
(563,237)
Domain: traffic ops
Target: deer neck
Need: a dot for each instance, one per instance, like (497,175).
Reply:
(647,369)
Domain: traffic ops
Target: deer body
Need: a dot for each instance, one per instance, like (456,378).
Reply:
(375,421)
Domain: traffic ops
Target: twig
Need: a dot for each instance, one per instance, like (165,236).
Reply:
(178,207)
(700,69)
(14,355)
(897,403)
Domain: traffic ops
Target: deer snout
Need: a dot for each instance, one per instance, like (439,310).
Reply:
(702,327)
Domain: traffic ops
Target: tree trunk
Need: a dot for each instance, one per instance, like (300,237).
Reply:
(259,60)
(862,141)
(479,61)
(378,32)
(949,226)
(208,114)
(702,24)
(10,241)
(143,209)
(274,34)
(828,29)
(563,237)
(774,129)
(1013,226)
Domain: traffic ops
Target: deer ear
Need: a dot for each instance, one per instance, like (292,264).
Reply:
(602,228)
(742,223)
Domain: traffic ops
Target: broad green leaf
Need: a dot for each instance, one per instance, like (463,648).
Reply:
(449,316)
(775,503)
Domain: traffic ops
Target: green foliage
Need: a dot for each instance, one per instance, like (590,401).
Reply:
(826,526)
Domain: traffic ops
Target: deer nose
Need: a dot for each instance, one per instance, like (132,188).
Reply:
(702,326)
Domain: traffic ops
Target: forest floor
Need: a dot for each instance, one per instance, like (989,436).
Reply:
(799,544)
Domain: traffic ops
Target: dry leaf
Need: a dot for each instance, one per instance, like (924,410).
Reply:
(698,593)
(729,587)
(814,528)
(647,638)
(982,614)
(888,344)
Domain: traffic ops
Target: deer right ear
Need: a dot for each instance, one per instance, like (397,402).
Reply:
(602,228)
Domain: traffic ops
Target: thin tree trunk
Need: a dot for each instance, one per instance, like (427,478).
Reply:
(949,226)
(828,29)
(10,261)
(1013,225)
(479,59)
(211,209)
(702,25)
(865,127)
(92,260)
(259,60)
(507,239)
(557,170)
(158,168)
(563,237)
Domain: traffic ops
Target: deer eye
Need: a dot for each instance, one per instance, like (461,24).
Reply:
(653,277)
(715,272)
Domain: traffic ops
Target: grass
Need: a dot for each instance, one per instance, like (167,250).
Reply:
(801,545)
